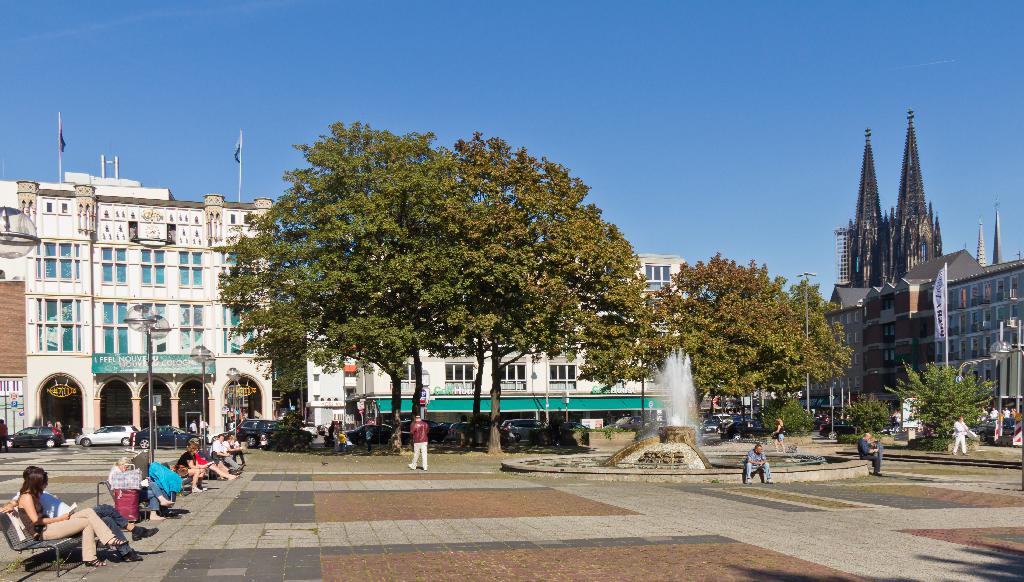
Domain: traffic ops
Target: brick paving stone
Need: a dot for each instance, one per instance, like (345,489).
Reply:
(722,562)
(1006,539)
(960,497)
(478,503)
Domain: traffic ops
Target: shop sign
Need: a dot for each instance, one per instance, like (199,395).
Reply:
(245,390)
(62,390)
(107,363)
(616,389)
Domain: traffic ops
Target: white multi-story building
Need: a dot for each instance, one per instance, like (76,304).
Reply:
(536,388)
(105,245)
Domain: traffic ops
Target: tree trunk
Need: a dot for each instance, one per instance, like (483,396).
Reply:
(417,371)
(396,411)
(494,446)
(478,378)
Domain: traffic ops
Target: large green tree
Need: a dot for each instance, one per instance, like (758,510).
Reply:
(742,329)
(938,396)
(348,263)
(542,271)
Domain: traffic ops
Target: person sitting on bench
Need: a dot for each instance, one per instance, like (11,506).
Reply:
(219,454)
(155,497)
(756,462)
(870,449)
(85,521)
(236,450)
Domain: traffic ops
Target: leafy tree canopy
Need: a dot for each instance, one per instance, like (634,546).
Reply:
(938,398)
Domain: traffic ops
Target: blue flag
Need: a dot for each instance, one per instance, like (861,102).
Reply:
(238,149)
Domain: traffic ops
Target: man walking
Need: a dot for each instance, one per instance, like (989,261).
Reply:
(419,432)
(869,449)
(960,432)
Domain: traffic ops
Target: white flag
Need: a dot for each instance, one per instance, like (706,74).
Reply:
(939,296)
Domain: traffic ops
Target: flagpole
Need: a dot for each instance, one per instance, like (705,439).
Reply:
(240,145)
(60,150)
(945,303)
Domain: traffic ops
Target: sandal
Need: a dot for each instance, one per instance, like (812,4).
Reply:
(116,542)
(96,563)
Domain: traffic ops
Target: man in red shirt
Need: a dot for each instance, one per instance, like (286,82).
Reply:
(419,431)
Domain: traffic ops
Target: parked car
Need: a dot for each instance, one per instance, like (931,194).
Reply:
(827,431)
(311,429)
(377,434)
(119,434)
(454,429)
(628,423)
(37,436)
(711,425)
(436,433)
(520,429)
(986,431)
(251,431)
(746,429)
(166,436)
(570,426)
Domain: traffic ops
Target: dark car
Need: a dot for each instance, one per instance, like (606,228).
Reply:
(570,426)
(376,434)
(454,429)
(746,429)
(437,432)
(711,425)
(827,431)
(252,431)
(37,436)
(166,436)
(986,431)
(520,430)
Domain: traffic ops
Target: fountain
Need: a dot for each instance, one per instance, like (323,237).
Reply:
(675,454)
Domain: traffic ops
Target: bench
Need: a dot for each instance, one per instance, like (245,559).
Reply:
(31,545)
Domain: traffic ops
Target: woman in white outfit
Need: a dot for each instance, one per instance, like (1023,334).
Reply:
(960,432)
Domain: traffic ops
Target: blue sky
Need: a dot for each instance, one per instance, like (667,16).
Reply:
(733,127)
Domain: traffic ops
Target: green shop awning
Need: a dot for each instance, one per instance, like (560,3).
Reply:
(532,404)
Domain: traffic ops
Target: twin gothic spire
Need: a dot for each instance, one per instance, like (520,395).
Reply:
(883,247)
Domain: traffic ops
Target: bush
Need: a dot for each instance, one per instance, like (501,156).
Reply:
(868,415)
(938,444)
(289,436)
(797,421)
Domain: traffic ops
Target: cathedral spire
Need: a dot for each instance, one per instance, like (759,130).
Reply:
(981,245)
(866,263)
(997,251)
(911,195)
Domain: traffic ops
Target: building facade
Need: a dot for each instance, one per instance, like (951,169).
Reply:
(543,388)
(106,245)
(879,247)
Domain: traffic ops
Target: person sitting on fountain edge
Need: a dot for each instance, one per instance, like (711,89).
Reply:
(756,462)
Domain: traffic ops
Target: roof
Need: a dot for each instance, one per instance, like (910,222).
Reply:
(961,265)
(990,270)
(849,296)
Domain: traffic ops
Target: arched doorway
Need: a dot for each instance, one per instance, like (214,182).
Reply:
(60,400)
(245,398)
(115,403)
(193,403)
(163,410)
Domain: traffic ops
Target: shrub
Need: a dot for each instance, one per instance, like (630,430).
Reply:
(868,415)
(797,421)
(289,436)
(937,398)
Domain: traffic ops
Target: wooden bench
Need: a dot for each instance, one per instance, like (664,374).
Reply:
(32,545)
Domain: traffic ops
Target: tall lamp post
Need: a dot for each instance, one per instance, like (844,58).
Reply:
(202,356)
(142,318)
(807,326)
(233,376)
(17,239)
(1002,350)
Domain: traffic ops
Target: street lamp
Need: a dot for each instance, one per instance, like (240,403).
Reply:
(202,356)
(1001,350)
(143,319)
(807,327)
(233,376)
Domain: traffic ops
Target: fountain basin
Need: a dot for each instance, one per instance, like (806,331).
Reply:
(724,469)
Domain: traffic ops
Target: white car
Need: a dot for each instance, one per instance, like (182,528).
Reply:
(119,434)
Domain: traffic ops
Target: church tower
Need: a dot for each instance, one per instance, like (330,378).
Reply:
(866,260)
(915,238)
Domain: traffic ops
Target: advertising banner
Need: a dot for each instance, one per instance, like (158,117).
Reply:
(136,364)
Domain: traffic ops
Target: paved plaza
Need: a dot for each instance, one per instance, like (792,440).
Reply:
(357,517)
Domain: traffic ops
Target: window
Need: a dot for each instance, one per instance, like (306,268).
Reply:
(58,262)
(513,378)
(987,293)
(887,302)
(190,269)
(190,327)
(657,276)
(458,378)
(115,331)
(153,267)
(59,327)
(49,207)
(233,342)
(562,377)
(316,377)
(159,344)
(114,264)
(889,332)
(409,382)
(63,207)
(889,356)
(231,218)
